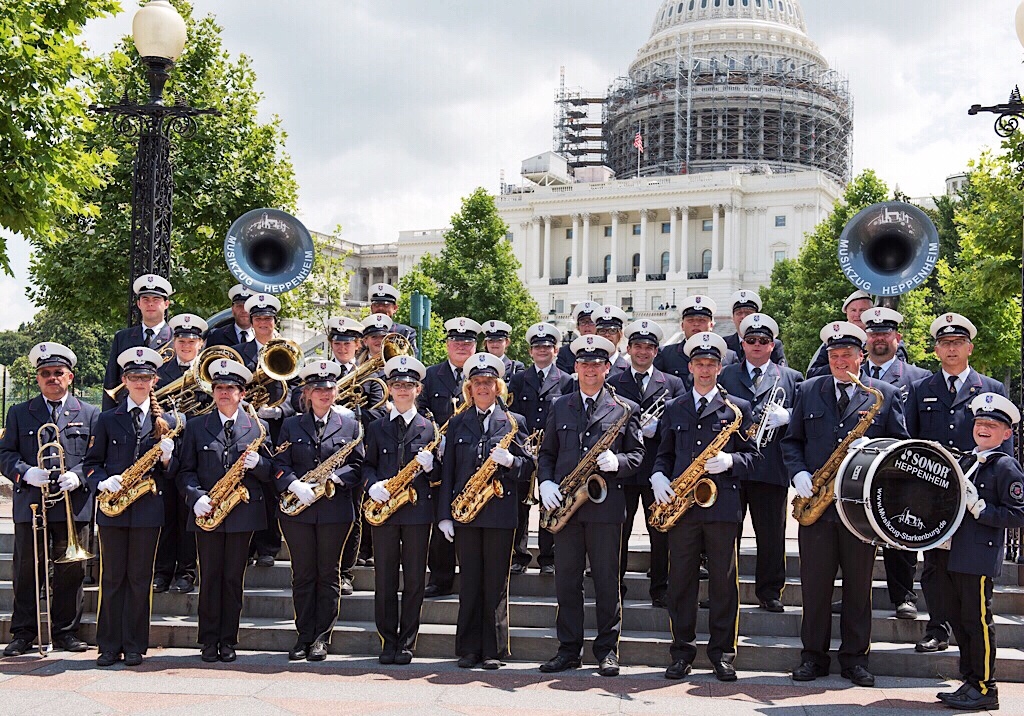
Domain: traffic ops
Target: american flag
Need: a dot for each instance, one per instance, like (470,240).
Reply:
(638,142)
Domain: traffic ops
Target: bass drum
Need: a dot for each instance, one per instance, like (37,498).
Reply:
(907,494)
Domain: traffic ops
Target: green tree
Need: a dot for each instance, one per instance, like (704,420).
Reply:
(49,167)
(233,163)
(13,345)
(432,341)
(322,295)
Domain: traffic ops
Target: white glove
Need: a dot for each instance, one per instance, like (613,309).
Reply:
(270,413)
(303,492)
(426,460)
(607,462)
(343,411)
(722,462)
(440,448)
(68,481)
(202,507)
(977,509)
(651,429)
(858,442)
(378,492)
(802,483)
(502,456)
(111,484)
(333,477)
(662,487)
(251,460)
(166,449)
(550,496)
(971,496)
(37,476)
(447,528)
(777,418)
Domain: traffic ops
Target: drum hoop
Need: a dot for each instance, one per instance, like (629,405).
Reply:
(840,509)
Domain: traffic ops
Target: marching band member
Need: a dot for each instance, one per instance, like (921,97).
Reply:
(533,391)
(645,385)
(765,491)
(939,408)
(583,315)
(576,422)
(995,503)
(697,316)
(745,303)
(441,395)
(212,445)
(240,330)
(392,442)
(485,543)
(175,567)
(76,423)
(497,341)
(609,321)
(128,541)
(316,534)
(153,298)
(690,423)
(827,408)
(384,299)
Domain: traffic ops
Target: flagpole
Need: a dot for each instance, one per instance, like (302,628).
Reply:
(639,133)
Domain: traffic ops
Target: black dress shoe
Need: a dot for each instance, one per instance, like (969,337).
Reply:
(517,569)
(837,607)
(679,669)
(492,664)
(547,569)
(724,671)
(368,561)
(160,585)
(403,657)
(906,610)
(108,658)
(182,585)
(773,605)
(929,644)
(608,666)
(432,590)
(299,651)
(659,602)
(131,658)
(265,560)
(346,588)
(859,676)
(468,661)
(386,657)
(17,647)
(360,562)
(69,642)
(227,653)
(210,653)
(973,700)
(318,651)
(808,671)
(943,695)
(561,662)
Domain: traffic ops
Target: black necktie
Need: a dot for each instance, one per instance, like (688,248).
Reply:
(756,377)
(458,379)
(344,370)
(243,336)
(701,404)
(590,403)
(952,385)
(844,398)
(482,417)
(540,376)
(876,372)
(228,424)
(640,382)
(54,410)
(137,420)
(149,337)
(321,425)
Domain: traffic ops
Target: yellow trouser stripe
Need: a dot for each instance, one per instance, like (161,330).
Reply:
(987,675)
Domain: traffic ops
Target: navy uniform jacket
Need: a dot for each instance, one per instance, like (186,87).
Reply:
(203,462)
(170,372)
(932,414)
(113,451)
(658,385)
(565,361)
(736,380)
(568,438)
(620,365)
(124,339)
(223,336)
(900,375)
(304,454)
(778,356)
(672,360)
(466,452)
(512,367)
(685,435)
(386,456)
(816,429)
(19,447)
(819,361)
(978,544)
(439,388)
(533,400)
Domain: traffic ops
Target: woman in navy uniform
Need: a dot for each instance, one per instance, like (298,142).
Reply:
(316,534)
(76,422)
(392,442)
(212,445)
(484,544)
(995,503)
(128,541)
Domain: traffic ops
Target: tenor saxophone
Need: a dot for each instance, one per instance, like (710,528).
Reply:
(137,481)
(319,478)
(807,510)
(482,486)
(229,490)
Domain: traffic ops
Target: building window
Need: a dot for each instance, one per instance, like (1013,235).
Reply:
(706,225)
(626,303)
(636,229)
(666,227)
(665,262)
(568,268)
(705,259)
(568,233)
(559,306)
(508,236)
(780,221)
(607,265)
(780,256)
(636,264)
(607,231)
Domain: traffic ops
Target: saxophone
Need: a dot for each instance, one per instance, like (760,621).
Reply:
(692,487)
(319,478)
(400,487)
(584,483)
(136,481)
(807,510)
(482,486)
(229,490)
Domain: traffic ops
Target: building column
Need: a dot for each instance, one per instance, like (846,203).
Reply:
(645,216)
(762,237)
(684,242)
(535,240)
(751,250)
(716,253)
(728,259)
(673,233)
(575,247)
(617,216)
(547,248)
(584,268)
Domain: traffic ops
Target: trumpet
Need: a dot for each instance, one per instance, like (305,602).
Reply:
(654,411)
(760,433)
(351,393)
(532,448)
(278,362)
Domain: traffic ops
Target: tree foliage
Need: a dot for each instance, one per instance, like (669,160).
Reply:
(322,295)
(233,163)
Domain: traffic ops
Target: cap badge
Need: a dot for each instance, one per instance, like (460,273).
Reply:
(949,318)
(223,364)
(149,279)
(403,360)
(988,398)
(835,328)
(42,348)
(262,298)
(139,352)
(462,323)
(696,299)
(590,340)
(187,319)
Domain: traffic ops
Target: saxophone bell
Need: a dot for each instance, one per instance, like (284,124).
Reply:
(705,493)
(597,489)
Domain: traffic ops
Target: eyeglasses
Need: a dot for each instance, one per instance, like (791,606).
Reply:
(952,342)
(752,341)
(47,374)
(139,377)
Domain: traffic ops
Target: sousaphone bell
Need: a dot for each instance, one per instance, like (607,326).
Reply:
(269,251)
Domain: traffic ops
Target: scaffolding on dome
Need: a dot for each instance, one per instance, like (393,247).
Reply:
(579,126)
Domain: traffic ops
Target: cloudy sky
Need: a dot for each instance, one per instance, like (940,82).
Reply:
(395,109)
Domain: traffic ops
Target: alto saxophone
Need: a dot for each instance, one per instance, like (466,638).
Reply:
(319,478)
(400,487)
(807,510)
(583,483)
(692,487)
(229,490)
(482,486)
(137,481)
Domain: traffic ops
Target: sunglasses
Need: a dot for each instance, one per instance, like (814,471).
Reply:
(47,374)
(758,341)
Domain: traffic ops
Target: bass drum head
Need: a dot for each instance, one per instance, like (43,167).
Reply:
(851,486)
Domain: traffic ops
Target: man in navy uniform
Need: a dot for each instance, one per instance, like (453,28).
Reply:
(76,423)
(441,395)
(533,391)
(384,299)
(610,321)
(240,329)
(745,303)
(646,386)
(576,422)
(690,425)
(938,408)
(698,316)
(497,341)
(583,314)
(153,298)
(765,491)
(827,408)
